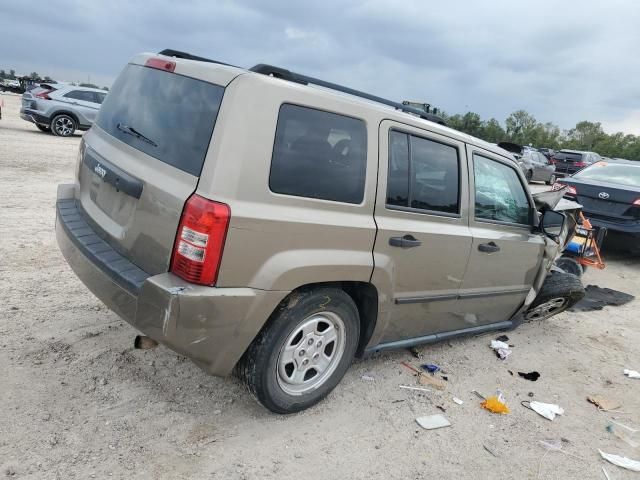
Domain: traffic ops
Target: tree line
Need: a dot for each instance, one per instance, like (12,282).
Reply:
(522,128)
(35,76)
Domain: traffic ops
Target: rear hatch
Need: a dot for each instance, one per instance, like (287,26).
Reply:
(607,201)
(142,159)
(30,97)
(568,162)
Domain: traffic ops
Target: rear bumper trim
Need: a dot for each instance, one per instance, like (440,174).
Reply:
(120,270)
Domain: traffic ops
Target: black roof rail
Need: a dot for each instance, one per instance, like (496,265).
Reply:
(187,56)
(284,74)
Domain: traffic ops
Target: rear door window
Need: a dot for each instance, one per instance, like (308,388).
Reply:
(423,174)
(499,195)
(83,95)
(174,115)
(319,154)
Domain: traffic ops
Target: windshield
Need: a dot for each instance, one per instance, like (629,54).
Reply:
(165,115)
(618,173)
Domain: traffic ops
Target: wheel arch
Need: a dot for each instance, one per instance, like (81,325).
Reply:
(65,112)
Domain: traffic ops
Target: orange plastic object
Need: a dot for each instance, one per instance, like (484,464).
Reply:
(494,405)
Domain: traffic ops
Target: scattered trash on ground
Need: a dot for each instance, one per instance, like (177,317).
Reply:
(629,435)
(368,378)
(533,376)
(495,404)
(431,368)
(489,450)
(604,403)
(606,474)
(631,373)
(624,462)
(597,298)
(425,379)
(531,394)
(441,408)
(502,338)
(547,410)
(457,400)
(502,349)
(478,394)
(431,422)
(415,352)
(417,389)
(142,342)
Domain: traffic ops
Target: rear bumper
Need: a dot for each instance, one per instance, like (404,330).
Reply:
(33,117)
(630,228)
(212,326)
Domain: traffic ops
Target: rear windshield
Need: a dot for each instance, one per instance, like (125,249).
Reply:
(165,115)
(568,157)
(617,173)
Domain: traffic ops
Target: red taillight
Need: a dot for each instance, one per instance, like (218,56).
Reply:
(553,160)
(570,190)
(580,164)
(200,240)
(44,95)
(161,64)
(636,202)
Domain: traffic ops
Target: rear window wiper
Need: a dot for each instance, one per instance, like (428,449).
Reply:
(132,131)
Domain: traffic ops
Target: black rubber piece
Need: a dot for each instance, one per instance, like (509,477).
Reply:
(258,366)
(570,265)
(43,128)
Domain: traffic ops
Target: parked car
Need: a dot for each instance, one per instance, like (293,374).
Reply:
(568,162)
(610,195)
(547,152)
(534,165)
(61,109)
(253,221)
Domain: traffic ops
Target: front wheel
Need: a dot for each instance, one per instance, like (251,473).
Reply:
(559,292)
(63,125)
(304,351)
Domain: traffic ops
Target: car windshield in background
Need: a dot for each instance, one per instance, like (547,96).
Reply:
(568,157)
(618,173)
(165,115)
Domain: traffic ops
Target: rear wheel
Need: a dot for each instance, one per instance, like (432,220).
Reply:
(552,180)
(63,125)
(304,351)
(559,292)
(43,128)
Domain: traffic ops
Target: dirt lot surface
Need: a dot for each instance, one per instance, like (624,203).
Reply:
(77,401)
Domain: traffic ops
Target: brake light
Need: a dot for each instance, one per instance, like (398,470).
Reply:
(44,95)
(580,164)
(636,202)
(200,240)
(161,64)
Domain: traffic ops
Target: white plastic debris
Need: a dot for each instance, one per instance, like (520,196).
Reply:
(417,389)
(501,348)
(457,400)
(631,373)
(547,410)
(431,422)
(368,378)
(624,462)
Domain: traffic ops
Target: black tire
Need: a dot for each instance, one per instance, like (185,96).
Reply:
(570,265)
(529,176)
(43,128)
(552,180)
(63,125)
(556,286)
(258,368)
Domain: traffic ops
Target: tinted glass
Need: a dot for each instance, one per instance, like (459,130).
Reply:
(99,97)
(434,176)
(318,155)
(398,176)
(568,157)
(81,95)
(499,194)
(177,114)
(618,173)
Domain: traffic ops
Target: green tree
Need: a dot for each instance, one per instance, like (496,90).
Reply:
(520,127)
(88,85)
(3,74)
(586,135)
(493,131)
(12,74)
(34,76)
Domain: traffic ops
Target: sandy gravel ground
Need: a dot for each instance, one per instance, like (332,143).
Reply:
(77,401)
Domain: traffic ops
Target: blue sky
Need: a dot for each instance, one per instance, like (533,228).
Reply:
(562,61)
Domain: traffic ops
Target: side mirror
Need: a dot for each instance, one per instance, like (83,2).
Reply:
(552,223)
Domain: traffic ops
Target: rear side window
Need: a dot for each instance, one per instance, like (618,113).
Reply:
(83,95)
(499,194)
(99,97)
(173,115)
(423,174)
(319,155)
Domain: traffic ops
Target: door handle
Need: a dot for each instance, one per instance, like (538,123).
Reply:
(490,247)
(407,241)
